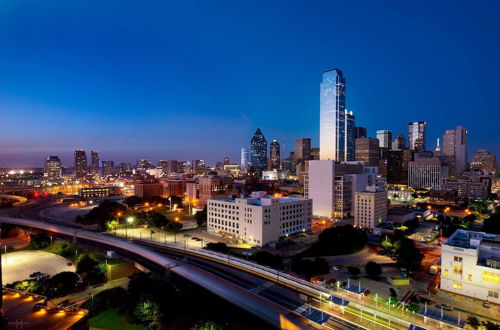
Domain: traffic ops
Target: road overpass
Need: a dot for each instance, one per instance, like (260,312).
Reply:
(265,309)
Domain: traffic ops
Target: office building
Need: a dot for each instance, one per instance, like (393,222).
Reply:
(95,192)
(360,132)
(417,136)
(143,164)
(474,185)
(371,207)
(94,162)
(331,185)
(302,151)
(53,168)
(108,167)
(259,219)
(485,161)
(455,150)
(399,142)
(395,166)
(212,187)
(226,161)
(337,126)
(80,164)
(148,189)
(245,159)
(367,151)
(384,139)
(258,151)
(314,153)
(274,156)
(470,265)
(426,173)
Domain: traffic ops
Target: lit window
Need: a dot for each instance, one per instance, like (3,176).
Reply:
(446,272)
(457,286)
(469,277)
(491,277)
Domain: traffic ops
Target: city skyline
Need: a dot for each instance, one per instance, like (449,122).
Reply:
(127,107)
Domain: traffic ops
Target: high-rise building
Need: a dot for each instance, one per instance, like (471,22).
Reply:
(108,167)
(426,173)
(94,162)
(80,164)
(302,151)
(143,164)
(337,127)
(245,159)
(274,155)
(399,142)
(416,135)
(395,167)
(360,132)
(384,139)
(258,151)
(53,168)
(213,187)
(371,207)
(368,151)
(455,149)
(486,162)
(314,153)
(226,161)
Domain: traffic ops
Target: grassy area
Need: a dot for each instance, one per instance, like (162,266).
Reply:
(111,320)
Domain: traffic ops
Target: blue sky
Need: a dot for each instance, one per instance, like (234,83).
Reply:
(194,79)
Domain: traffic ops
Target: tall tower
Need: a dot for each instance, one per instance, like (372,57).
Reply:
(53,169)
(94,157)
(416,135)
(350,136)
(384,138)
(245,159)
(258,151)
(332,127)
(80,164)
(274,155)
(455,148)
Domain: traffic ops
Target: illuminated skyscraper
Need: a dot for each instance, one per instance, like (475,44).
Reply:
(258,151)
(455,148)
(80,164)
(416,135)
(94,165)
(337,127)
(384,138)
(274,155)
(245,159)
(53,168)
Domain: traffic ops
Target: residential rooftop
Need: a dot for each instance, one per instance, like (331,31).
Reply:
(471,239)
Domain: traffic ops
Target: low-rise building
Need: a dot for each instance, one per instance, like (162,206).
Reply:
(371,207)
(473,185)
(153,189)
(470,265)
(94,192)
(260,218)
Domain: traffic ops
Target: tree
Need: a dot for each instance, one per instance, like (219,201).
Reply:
(338,240)
(39,241)
(310,268)
(61,284)
(490,325)
(201,217)
(408,256)
(354,271)
(473,321)
(133,201)
(88,269)
(268,259)
(100,215)
(156,220)
(373,270)
(492,224)
(148,312)
(209,325)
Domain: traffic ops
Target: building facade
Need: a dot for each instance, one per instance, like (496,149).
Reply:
(485,161)
(108,167)
(371,207)
(258,151)
(80,164)
(53,168)
(367,151)
(426,173)
(274,156)
(470,265)
(94,162)
(259,219)
(245,159)
(384,138)
(417,136)
(455,149)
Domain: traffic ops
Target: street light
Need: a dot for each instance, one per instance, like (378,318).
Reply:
(129,220)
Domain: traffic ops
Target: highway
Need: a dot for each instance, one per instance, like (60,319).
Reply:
(213,281)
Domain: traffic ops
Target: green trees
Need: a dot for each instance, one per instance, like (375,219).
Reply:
(354,271)
(310,268)
(61,284)
(88,269)
(217,247)
(268,259)
(201,217)
(492,224)
(373,270)
(39,241)
(100,215)
(148,312)
(338,240)
(408,256)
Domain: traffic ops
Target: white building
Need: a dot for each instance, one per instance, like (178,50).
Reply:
(259,219)
(470,265)
(426,173)
(332,185)
(371,207)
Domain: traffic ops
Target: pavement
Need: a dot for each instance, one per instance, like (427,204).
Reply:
(359,258)
(65,213)
(78,298)
(17,266)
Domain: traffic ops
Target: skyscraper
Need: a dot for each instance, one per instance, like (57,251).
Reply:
(337,129)
(53,168)
(94,165)
(384,139)
(274,153)
(416,135)
(258,151)
(108,167)
(245,159)
(359,132)
(368,151)
(399,142)
(455,149)
(80,164)
(485,161)
(302,151)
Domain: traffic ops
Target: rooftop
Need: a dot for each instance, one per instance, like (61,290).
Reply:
(471,239)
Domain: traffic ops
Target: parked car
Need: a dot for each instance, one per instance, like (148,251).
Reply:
(446,307)
(427,236)
(336,268)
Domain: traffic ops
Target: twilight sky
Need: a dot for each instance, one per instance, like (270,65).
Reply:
(194,79)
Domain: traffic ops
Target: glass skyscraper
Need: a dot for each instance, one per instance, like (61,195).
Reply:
(245,159)
(337,126)
(274,156)
(416,135)
(258,151)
